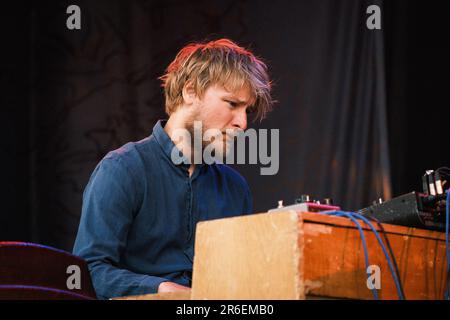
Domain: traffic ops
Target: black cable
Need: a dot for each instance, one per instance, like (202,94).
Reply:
(444,171)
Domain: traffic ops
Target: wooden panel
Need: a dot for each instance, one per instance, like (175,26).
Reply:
(344,222)
(250,257)
(334,260)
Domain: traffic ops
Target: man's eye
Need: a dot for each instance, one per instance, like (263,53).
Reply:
(233,104)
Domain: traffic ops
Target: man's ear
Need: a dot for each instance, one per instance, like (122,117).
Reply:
(189,95)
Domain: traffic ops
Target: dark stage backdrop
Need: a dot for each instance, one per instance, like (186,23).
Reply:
(77,94)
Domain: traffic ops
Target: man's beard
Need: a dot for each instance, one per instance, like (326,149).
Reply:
(220,143)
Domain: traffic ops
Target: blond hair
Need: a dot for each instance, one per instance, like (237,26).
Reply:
(220,62)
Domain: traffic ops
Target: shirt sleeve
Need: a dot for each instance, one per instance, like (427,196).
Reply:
(109,202)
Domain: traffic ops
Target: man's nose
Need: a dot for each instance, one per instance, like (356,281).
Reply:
(240,119)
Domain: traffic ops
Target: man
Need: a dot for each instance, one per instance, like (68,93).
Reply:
(140,208)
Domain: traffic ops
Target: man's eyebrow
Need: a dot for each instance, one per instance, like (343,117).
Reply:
(236,99)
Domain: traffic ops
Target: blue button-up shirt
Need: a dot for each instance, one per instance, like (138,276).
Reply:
(139,214)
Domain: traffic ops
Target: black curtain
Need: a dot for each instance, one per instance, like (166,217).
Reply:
(417,76)
(73,95)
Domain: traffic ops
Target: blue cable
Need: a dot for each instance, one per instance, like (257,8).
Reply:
(351,215)
(363,239)
(388,258)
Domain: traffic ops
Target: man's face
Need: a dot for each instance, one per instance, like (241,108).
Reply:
(224,110)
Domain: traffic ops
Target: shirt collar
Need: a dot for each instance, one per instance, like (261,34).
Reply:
(163,138)
(166,143)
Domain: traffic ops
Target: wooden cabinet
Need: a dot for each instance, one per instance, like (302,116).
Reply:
(291,255)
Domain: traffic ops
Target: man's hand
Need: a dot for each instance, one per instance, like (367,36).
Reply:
(171,287)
